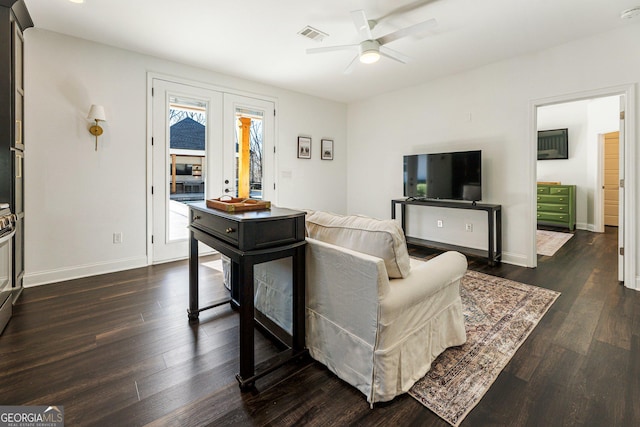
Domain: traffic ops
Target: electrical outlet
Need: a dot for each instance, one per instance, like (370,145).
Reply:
(468,227)
(117,237)
(439,223)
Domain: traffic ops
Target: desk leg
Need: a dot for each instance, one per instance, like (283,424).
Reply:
(298,264)
(491,224)
(244,283)
(235,297)
(193,311)
(499,234)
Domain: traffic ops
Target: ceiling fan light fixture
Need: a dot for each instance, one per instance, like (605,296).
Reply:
(369,52)
(369,57)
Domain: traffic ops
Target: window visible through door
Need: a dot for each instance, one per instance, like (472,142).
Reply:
(187,160)
(249,153)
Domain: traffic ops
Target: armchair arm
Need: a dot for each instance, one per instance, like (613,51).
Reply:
(426,279)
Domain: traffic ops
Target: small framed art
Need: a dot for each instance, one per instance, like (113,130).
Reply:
(304,147)
(327,149)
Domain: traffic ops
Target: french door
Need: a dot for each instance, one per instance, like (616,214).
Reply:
(198,135)
(187,142)
(249,123)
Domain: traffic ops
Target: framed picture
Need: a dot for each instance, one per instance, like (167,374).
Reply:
(304,147)
(327,149)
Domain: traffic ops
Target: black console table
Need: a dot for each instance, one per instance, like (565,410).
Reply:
(494,222)
(250,238)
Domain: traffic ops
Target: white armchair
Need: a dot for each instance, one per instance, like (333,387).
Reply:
(378,334)
(381,335)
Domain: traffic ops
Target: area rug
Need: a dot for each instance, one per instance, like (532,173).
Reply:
(548,242)
(499,315)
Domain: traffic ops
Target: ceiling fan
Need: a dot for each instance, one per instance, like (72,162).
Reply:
(370,49)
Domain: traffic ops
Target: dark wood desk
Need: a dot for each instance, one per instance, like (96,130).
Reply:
(250,238)
(494,226)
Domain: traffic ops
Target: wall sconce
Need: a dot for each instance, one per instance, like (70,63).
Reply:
(96,112)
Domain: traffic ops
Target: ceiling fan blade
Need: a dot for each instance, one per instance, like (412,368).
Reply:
(333,48)
(405,9)
(394,54)
(408,31)
(362,24)
(351,65)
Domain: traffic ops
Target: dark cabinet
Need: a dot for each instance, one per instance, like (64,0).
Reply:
(14,19)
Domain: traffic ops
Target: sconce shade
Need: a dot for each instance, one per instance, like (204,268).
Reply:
(96,112)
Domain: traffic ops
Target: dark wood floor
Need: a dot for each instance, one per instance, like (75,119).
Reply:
(117,350)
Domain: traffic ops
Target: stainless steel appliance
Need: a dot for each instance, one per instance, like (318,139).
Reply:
(7,230)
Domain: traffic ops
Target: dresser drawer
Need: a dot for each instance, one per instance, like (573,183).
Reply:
(559,190)
(549,207)
(553,216)
(543,190)
(544,198)
(222,228)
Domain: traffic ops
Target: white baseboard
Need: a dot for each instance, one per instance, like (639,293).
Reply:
(75,272)
(514,259)
(587,227)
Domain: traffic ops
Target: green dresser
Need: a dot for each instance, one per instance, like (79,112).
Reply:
(557,205)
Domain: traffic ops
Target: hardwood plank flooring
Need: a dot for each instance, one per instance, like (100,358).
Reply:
(117,350)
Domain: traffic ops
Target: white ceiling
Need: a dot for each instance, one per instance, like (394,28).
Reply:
(258,40)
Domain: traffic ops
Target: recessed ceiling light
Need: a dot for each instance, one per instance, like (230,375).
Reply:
(630,13)
(76,1)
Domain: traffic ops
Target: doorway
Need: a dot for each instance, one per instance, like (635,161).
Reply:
(586,160)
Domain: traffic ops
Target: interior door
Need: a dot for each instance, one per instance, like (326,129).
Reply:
(187,161)
(249,123)
(611,178)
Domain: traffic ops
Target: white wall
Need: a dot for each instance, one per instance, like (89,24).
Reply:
(488,108)
(76,197)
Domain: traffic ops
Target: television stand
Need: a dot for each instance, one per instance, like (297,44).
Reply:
(494,226)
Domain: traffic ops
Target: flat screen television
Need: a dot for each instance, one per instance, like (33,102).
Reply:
(449,176)
(553,144)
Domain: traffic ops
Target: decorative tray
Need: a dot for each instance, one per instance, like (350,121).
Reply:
(236,204)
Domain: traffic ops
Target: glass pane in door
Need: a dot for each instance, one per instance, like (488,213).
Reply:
(249,153)
(187,160)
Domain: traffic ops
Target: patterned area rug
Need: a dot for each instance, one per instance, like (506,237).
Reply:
(548,242)
(499,315)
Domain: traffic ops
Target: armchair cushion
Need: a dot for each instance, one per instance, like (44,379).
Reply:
(380,238)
